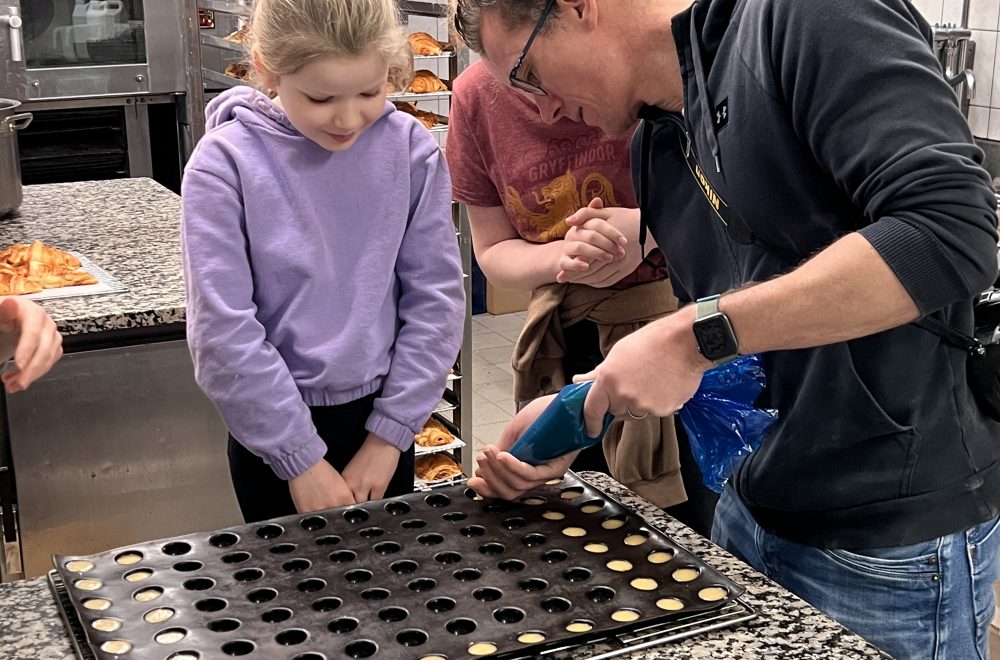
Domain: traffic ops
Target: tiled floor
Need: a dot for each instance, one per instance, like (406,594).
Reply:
(493,340)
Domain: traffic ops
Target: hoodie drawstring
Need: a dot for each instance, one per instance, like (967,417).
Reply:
(703,97)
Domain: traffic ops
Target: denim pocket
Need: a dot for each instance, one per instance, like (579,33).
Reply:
(983,546)
(905,562)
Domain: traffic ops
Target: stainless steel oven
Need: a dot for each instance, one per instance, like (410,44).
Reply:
(60,49)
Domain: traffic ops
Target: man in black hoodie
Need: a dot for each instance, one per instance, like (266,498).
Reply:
(822,180)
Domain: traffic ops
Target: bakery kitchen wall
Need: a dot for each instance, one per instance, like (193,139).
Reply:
(984,21)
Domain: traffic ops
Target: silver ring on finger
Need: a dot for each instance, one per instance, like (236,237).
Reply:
(634,416)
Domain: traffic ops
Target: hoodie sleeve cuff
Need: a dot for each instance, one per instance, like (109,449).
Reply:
(396,434)
(303,458)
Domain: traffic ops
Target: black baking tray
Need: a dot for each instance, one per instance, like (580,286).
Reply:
(424,575)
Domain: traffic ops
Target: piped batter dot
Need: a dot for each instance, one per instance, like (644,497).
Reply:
(712,594)
(670,604)
(685,574)
(574,532)
(596,548)
(644,584)
(625,616)
(79,566)
(619,565)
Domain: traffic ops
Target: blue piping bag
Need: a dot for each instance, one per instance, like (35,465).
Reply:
(560,428)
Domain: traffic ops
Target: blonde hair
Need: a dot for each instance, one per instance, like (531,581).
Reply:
(288,34)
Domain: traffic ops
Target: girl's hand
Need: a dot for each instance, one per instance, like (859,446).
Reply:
(369,472)
(29,335)
(320,487)
(594,224)
(498,474)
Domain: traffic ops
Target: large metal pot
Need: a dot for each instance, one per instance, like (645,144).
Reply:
(10,165)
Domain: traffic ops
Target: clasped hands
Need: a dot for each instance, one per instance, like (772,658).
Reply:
(365,478)
(597,249)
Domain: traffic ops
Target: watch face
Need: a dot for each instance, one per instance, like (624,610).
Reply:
(715,337)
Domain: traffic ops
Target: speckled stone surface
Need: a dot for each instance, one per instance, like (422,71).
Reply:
(128,227)
(786,627)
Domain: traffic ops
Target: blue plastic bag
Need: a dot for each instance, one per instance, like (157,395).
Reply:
(560,428)
(722,424)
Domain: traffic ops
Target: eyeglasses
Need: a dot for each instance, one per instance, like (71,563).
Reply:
(515,80)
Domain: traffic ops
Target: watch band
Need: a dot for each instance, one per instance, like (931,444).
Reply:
(708,306)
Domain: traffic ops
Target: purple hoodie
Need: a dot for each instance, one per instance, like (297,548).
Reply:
(316,278)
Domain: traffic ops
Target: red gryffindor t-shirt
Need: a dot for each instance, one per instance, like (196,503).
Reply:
(501,153)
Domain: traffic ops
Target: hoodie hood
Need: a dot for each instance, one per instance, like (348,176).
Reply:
(253,108)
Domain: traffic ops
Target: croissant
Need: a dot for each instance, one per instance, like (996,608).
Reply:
(434,434)
(15,285)
(238,36)
(435,467)
(428,119)
(30,268)
(425,82)
(422,43)
(238,70)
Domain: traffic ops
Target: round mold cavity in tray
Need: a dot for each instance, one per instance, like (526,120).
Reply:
(625,615)
(129,557)
(531,637)
(447,557)
(283,548)
(263,595)
(106,625)
(116,646)
(497,506)
(554,556)
(571,493)
(660,556)
(437,500)
(460,626)
(472,531)
(312,523)
(342,556)
(88,584)
(533,584)
(533,500)
(311,585)
(713,594)
(614,522)
(375,593)
(223,540)
(441,604)
(96,604)
(362,648)
(355,516)
(224,625)
(512,566)
(421,584)
(397,508)
(576,574)
(237,557)
(328,540)
(413,523)
(592,506)
(620,565)
(291,637)
(170,636)
(670,604)
(189,566)
(600,594)
(328,604)
(310,655)
(596,548)
(454,516)
(492,549)
(580,626)
(487,594)
(467,574)
(430,538)
(636,538)
(553,515)
(239,647)
(270,531)
(199,584)
(404,567)
(472,495)
(358,575)
(556,604)
(147,594)
(343,625)
(515,522)
(176,548)
(186,655)
(412,637)
(533,539)
(248,574)
(393,614)
(686,574)
(644,584)
(508,615)
(371,532)
(482,648)
(276,615)
(387,548)
(79,566)
(574,532)
(210,605)
(296,565)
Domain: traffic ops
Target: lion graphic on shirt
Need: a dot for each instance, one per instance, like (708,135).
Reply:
(560,198)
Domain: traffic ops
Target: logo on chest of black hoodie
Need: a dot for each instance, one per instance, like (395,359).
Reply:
(721,116)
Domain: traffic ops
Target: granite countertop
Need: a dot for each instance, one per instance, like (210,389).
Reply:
(128,227)
(786,627)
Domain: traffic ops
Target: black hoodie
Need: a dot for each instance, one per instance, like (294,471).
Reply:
(806,120)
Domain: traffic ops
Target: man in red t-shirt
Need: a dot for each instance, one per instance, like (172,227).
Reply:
(525,180)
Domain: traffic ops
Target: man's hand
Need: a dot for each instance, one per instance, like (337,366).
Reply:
(655,370)
(370,471)
(587,258)
(29,335)
(498,474)
(319,487)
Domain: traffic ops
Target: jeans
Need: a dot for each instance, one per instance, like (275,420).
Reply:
(928,601)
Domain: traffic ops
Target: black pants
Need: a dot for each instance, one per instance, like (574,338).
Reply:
(583,353)
(262,495)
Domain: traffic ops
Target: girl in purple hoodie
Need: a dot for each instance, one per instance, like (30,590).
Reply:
(325,299)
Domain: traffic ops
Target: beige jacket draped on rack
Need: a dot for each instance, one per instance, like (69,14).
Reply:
(641,453)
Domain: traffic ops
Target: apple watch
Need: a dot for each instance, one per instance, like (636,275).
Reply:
(714,333)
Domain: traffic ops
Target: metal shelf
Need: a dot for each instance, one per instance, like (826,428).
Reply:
(236,8)
(222,79)
(434,96)
(218,42)
(448,54)
(424,8)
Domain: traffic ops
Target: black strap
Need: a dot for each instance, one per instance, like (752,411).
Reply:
(970,345)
